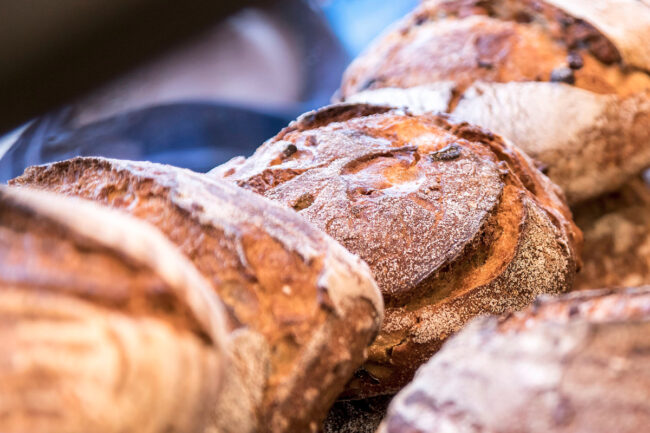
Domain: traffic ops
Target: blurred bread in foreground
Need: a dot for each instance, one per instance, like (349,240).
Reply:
(574,364)
(106,327)
(616,229)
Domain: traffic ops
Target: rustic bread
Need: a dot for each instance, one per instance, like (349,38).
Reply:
(453,221)
(616,229)
(568,81)
(574,364)
(105,326)
(302,310)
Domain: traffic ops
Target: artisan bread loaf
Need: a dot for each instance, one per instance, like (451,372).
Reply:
(574,364)
(302,310)
(453,221)
(105,326)
(616,230)
(568,81)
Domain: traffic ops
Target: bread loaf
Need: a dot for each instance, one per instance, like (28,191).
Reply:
(616,229)
(301,309)
(105,327)
(574,364)
(568,81)
(453,221)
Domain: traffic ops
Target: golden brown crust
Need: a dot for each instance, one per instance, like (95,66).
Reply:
(573,364)
(493,63)
(452,220)
(315,305)
(616,227)
(87,314)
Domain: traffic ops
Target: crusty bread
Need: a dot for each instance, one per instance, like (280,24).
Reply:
(574,364)
(105,326)
(453,221)
(302,310)
(616,229)
(568,81)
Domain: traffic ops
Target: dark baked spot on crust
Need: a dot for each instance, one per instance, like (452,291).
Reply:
(289,150)
(447,153)
(334,113)
(575,61)
(303,202)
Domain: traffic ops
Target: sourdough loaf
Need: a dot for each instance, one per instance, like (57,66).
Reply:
(301,309)
(574,364)
(453,221)
(616,229)
(568,81)
(105,326)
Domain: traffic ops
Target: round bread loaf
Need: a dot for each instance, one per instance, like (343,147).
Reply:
(453,221)
(105,326)
(566,80)
(616,229)
(302,310)
(574,364)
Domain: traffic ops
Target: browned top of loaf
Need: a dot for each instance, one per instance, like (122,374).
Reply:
(59,245)
(464,41)
(316,305)
(616,227)
(437,209)
(574,364)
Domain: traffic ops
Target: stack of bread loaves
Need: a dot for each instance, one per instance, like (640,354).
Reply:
(341,256)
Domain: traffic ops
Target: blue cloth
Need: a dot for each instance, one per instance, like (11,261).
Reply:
(200,135)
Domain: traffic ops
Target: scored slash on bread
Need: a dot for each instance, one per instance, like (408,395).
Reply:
(301,309)
(106,327)
(453,221)
(578,363)
(567,81)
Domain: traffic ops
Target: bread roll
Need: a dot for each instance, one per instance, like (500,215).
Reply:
(568,81)
(453,221)
(104,325)
(616,228)
(568,365)
(302,310)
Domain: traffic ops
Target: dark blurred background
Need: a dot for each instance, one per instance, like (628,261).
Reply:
(191,85)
